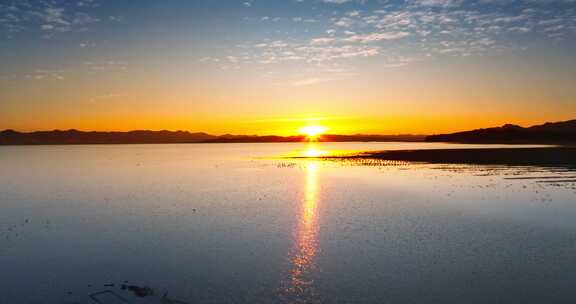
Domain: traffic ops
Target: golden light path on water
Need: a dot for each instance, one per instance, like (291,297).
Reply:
(299,287)
(308,228)
(314,151)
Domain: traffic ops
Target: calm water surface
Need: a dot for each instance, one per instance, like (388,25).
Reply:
(238,223)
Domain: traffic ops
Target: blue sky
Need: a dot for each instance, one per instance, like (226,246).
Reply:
(323,49)
(261,32)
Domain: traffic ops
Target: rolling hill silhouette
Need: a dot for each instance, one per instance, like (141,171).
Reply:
(75,137)
(549,133)
(58,137)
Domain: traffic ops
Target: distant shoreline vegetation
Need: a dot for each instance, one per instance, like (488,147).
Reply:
(548,133)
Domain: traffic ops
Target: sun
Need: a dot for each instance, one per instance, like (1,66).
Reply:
(313,131)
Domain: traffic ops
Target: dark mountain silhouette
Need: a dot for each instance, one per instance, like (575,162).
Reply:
(228,138)
(11,137)
(75,137)
(372,138)
(324,138)
(549,133)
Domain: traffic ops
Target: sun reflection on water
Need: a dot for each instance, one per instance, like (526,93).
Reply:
(299,287)
(317,150)
(312,150)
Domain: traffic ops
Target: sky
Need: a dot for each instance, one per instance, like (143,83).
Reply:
(273,66)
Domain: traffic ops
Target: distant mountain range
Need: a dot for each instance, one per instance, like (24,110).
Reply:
(548,133)
(75,137)
(58,137)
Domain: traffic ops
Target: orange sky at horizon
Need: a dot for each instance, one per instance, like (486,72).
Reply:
(293,126)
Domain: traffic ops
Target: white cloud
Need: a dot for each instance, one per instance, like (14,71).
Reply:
(323,40)
(444,3)
(372,37)
(344,22)
(416,29)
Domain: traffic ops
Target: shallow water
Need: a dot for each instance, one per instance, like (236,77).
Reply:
(238,223)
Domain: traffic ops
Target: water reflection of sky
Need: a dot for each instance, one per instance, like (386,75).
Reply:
(212,226)
(302,284)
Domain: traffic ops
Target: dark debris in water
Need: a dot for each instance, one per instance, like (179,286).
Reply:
(124,293)
(138,291)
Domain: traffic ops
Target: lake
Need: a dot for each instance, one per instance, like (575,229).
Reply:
(246,223)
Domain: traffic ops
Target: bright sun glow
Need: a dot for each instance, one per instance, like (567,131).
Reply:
(313,131)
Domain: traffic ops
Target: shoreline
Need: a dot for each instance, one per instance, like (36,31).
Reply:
(544,156)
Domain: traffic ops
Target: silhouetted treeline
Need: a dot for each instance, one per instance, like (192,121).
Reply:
(548,133)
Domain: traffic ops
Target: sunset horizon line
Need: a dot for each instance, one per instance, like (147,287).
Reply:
(292,133)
